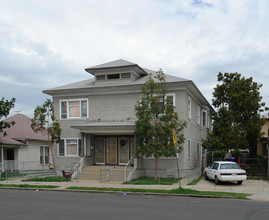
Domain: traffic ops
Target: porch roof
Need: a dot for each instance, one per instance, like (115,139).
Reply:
(107,128)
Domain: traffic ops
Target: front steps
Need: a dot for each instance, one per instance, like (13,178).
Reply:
(103,173)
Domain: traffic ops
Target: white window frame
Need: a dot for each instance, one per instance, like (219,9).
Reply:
(189,149)
(208,116)
(204,118)
(198,150)
(67,108)
(43,155)
(198,115)
(174,97)
(65,147)
(189,107)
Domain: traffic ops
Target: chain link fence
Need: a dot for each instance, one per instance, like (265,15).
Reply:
(14,169)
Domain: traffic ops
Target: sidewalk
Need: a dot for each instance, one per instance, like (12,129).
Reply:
(259,188)
(95,183)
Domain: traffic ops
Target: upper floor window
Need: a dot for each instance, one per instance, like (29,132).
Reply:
(101,77)
(198,115)
(189,107)
(113,76)
(126,75)
(170,100)
(74,108)
(189,149)
(204,119)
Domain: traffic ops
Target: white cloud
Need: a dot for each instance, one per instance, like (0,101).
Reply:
(49,43)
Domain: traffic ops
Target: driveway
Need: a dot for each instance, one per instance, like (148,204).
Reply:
(259,188)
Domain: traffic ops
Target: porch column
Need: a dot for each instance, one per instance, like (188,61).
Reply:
(83,140)
(135,145)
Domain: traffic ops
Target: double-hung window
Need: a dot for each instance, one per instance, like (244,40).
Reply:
(69,147)
(170,100)
(198,115)
(74,108)
(189,149)
(198,151)
(189,107)
(204,120)
(44,154)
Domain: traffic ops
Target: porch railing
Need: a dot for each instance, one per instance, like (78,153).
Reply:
(78,168)
(128,165)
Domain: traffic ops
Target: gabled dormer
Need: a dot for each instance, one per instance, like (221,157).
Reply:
(116,72)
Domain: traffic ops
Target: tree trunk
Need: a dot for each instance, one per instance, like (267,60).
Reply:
(53,161)
(52,154)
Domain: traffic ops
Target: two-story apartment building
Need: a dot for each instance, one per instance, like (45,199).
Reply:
(97,118)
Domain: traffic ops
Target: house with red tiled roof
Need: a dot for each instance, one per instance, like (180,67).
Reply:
(22,148)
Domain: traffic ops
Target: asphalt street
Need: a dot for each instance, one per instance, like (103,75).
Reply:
(20,204)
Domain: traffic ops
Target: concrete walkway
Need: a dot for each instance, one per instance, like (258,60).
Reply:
(259,188)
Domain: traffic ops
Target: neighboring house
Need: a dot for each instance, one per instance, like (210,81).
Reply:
(262,149)
(22,148)
(97,118)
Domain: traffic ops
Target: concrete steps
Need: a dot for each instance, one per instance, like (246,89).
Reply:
(103,173)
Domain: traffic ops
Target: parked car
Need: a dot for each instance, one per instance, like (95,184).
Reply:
(225,171)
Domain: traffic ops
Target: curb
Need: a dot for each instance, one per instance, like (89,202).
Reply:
(117,192)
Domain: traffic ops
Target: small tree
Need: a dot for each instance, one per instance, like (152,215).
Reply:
(5,107)
(237,122)
(156,119)
(44,121)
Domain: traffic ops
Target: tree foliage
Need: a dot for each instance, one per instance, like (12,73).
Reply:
(44,121)
(156,119)
(5,107)
(237,122)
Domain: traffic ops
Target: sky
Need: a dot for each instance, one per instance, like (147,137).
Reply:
(49,43)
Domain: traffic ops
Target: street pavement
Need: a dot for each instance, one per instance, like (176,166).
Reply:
(259,188)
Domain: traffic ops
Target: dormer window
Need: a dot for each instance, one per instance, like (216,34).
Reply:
(101,77)
(113,76)
(126,75)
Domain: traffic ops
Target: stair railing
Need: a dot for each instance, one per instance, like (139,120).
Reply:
(125,168)
(78,168)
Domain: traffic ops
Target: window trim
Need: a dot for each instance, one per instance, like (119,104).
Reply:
(44,155)
(198,115)
(198,150)
(189,149)
(189,108)
(204,125)
(65,147)
(67,108)
(174,98)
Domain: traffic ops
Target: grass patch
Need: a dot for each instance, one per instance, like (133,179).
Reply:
(173,191)
(28,186)
(47,179)
(152,181)
(194,182)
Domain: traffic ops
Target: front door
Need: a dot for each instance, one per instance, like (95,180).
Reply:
(111,150)
(100,150)
(123,151)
